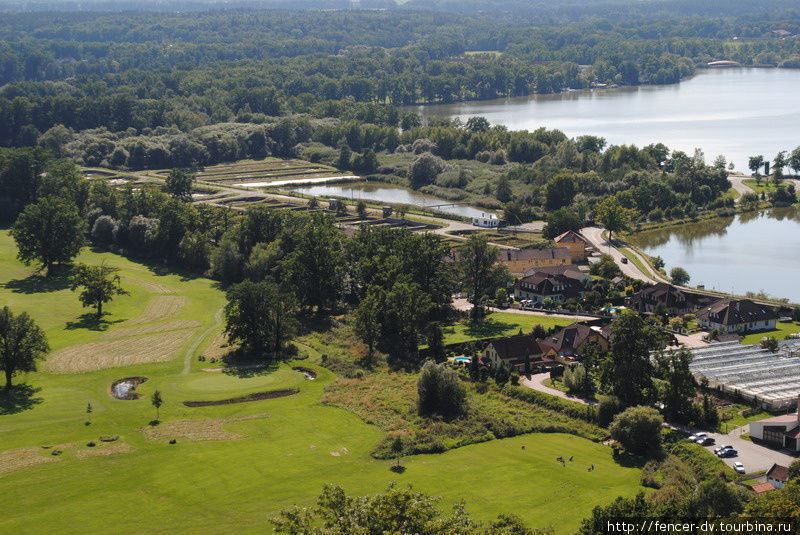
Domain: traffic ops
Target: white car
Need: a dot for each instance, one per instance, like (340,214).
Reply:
(698,437)
(722,448)
(739,467)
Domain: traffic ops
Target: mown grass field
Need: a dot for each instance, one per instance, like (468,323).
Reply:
(499,324)
(781,331)
(236,465)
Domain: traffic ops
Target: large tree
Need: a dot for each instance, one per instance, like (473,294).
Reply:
(679,384)
(480,275)
(22,343)
(260,316)
(638,429)
(179,184)
(99,285)
(407,309)
(627,371)
(614,216)
(49,231)
(367,319)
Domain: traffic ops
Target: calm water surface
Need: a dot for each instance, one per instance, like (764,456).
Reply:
(749,252)
(734,112)
(387,194)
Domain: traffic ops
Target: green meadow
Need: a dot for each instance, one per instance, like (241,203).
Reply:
(232,466)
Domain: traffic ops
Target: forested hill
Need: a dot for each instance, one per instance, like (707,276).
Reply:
(571,9)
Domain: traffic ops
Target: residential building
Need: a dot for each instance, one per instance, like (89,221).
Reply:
(570,342)
(575,243)
(511,351)
(649,298)
(541,286)
(568,270)
(778,475)
(486,221)
(519,260)
(779,431)
(737,315)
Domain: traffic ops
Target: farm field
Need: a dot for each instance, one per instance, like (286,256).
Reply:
(254,173)
(234,465)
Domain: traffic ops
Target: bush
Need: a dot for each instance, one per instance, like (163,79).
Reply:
(608,408)
(91,444)
(105,229)
(638,429)
(439,391)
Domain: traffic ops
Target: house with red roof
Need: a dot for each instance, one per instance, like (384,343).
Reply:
(778,475)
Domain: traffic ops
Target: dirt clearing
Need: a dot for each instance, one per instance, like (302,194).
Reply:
(102,450)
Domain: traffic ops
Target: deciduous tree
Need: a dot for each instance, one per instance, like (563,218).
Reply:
(49,231)
(22,344)
(99,285)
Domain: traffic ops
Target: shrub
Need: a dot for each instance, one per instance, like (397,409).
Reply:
(439,391)
(91,444)
(638,429)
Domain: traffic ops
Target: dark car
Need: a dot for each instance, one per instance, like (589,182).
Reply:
(707,441)
(728,453)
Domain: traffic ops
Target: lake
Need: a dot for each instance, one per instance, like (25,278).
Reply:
(734,112)
(387,194)
(749,252)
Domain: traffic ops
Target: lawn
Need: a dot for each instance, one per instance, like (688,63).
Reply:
(234,465)
(499,324)
(782,330)
(765,186)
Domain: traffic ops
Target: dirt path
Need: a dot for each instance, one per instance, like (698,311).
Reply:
(187,356)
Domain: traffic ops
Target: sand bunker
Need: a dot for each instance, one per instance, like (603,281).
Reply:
(258,396)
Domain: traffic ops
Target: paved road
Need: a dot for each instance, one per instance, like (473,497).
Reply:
(463,304)
(737,181)
(595,237)
(536,382)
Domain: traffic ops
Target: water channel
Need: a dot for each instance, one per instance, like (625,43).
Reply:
(388,194)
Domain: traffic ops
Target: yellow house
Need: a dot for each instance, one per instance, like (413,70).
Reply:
(519,260)
(575,243)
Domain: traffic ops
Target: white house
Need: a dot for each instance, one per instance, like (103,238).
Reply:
(778,475)
(779,431)
(736,316)
(486,221)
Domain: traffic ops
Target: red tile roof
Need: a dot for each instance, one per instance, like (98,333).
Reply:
(781,473)
(758,488)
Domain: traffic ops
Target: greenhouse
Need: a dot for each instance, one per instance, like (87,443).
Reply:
(771,379)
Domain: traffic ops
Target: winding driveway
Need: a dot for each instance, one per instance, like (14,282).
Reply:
(536,382)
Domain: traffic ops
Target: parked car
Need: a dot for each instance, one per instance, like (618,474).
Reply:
(728,453)
(706,441)
(698,437)
(624,260)
(739,467)
(725,447)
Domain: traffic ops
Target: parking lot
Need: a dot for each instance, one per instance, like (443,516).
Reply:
(754,457)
